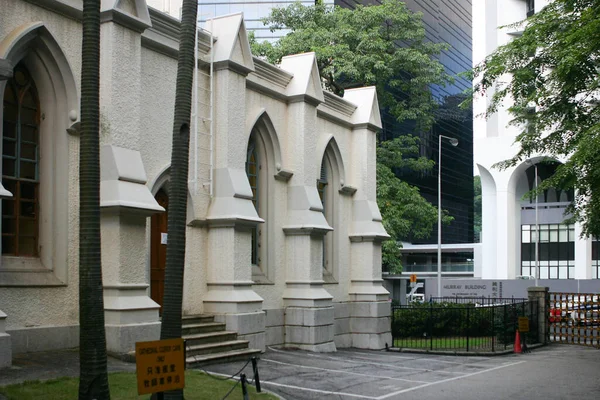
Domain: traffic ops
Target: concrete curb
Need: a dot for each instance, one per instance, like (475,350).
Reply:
(462,353)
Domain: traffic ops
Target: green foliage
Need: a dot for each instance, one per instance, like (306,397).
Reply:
(477,207)
(441,320)
(361,46)
(553,68)
(356,47)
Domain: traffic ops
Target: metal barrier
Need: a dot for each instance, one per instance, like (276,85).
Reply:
(462,327)
(574,318)
(478,300)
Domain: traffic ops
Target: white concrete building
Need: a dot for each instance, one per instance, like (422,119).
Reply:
(284,234)
(509,221)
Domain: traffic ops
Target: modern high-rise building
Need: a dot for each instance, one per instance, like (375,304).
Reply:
(448,22)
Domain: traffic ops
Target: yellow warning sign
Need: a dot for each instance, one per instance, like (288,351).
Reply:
(160,365)
(523,324)
(413,278)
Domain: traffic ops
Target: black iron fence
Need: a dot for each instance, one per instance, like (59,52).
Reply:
(463,326)
(486,301)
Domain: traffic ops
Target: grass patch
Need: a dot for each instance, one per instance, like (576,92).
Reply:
(123,386)
(455,343)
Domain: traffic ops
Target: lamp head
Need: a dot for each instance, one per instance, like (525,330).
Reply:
(454,142)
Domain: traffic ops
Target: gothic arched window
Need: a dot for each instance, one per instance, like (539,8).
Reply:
(20,165)
(326,193)
(252,170)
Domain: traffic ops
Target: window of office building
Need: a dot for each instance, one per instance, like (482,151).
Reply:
(530,7)
(595,258)
(556,251)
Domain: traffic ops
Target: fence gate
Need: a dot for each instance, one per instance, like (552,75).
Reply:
(574,318)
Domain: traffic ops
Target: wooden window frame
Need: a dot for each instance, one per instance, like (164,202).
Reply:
(15,182)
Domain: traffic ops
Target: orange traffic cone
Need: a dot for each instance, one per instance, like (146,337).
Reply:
(517,347)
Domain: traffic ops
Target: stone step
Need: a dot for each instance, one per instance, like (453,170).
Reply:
(210,337)
(197,319)
(211,348)
(227,356)
(190,329)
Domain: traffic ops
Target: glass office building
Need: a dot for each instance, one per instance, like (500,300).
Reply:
(253,11)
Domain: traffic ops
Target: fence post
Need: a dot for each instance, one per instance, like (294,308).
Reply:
(540,295)
(468,325)
(493,326)
(504,325)
(431,326)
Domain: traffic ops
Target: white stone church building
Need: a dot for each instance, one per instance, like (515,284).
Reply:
(284,233)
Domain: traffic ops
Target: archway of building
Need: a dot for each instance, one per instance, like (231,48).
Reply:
(489,223)
(329,182)
(546,243)
(33,51)
(263,162)
(158,235)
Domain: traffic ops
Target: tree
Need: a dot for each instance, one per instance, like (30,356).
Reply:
(384,46)
(93,377)
(360,46)
(178,189)
(550,73)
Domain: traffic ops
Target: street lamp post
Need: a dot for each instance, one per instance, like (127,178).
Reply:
(453,142)
(537,225)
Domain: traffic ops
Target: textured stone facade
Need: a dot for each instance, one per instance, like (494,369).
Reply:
(294,295)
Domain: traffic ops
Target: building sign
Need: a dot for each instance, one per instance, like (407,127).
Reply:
(160,365)
(523,324)
(473,289)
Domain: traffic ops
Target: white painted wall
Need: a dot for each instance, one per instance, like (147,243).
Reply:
(494,142)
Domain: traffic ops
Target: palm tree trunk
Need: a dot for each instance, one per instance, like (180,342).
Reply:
(93,378)
(178,190)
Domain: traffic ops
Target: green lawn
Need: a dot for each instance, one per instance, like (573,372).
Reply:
(455,343)
(123,386)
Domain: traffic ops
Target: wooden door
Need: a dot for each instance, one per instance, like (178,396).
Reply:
(158,250)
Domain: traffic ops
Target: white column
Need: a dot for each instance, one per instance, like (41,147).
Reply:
(231,217)
(583,255)
(126,202)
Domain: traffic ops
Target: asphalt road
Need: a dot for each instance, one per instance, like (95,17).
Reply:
(552,372)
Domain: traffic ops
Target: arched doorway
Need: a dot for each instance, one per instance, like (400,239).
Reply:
(158,249)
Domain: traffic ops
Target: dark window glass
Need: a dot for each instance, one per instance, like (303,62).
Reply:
(252,171)
(20,163)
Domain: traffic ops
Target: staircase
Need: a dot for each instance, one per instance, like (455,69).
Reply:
(207,342)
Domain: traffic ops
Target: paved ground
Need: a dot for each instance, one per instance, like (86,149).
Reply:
(553,372)
(50,365)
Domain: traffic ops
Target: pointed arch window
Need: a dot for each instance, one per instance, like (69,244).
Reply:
(326,193)
(252,171)
(260,171)
(322,188)
(20,165)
